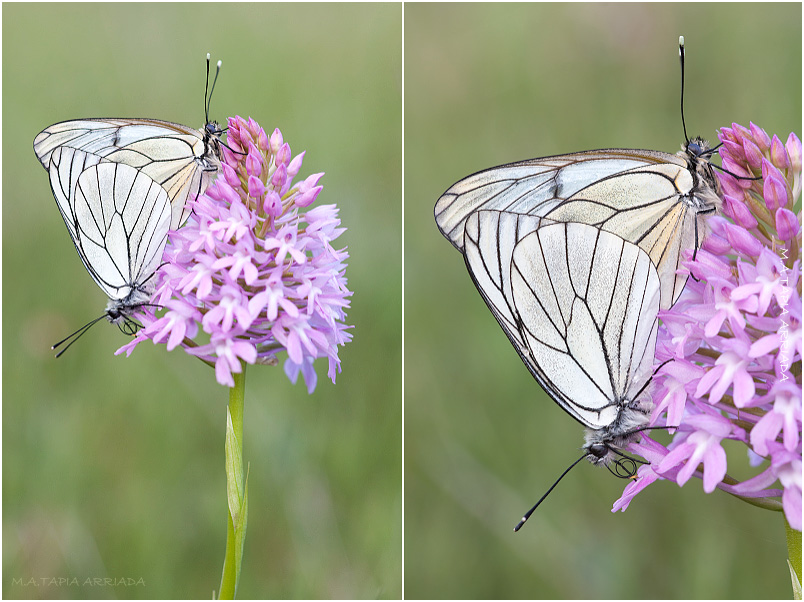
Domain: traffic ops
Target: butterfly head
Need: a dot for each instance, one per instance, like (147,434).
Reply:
(212,130)
(603,446)
(694,147)
(119,311)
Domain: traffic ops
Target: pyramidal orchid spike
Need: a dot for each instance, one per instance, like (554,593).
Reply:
(731,341)
(237,279)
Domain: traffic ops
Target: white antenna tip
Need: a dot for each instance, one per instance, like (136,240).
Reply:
(219,64)
(680,40)
(207,55)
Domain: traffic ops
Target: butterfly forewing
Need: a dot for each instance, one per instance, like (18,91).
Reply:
(648,198)
(180,159)
(529,187)
(104,136)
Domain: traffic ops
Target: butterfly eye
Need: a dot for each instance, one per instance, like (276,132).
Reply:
(598,450)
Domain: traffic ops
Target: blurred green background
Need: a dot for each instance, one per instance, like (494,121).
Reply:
(489,84)
(114,467)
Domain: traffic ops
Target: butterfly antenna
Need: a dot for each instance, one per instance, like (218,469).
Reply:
(206,94)
(536,505)
(75,336)
(208,97)
(681,58)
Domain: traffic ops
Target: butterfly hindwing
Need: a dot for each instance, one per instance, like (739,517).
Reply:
(490,238)
(117,217)
(578,303)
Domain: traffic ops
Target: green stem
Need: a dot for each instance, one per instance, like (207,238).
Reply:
(229,577)
(794,558)
(236,487)
(768,503)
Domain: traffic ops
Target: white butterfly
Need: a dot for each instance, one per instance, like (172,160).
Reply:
(650,198)
(181,159)
(580,306)
(118,218)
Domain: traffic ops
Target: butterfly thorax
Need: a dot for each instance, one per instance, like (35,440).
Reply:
(704,195)
(212,147)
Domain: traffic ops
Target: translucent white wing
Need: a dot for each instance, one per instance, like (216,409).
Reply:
(182,160)
(118,219)
(491,237)
(530,187)
(579,304)
(649,198)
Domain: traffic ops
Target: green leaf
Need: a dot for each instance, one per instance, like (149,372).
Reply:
(237,494)
(240,529)
(234,471)
(794,556)
(796,582)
